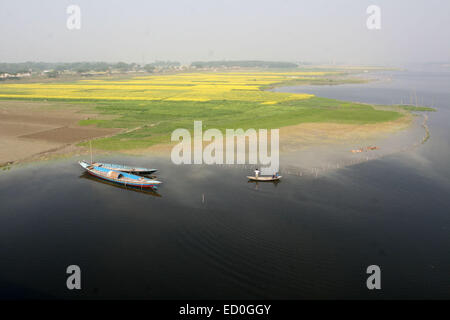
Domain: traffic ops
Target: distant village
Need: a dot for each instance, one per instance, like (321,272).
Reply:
(17,71)
(86,69)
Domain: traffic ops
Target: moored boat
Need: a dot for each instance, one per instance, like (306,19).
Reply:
(120,177)
(123,168)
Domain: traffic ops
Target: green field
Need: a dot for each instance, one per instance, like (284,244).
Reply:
(156,120)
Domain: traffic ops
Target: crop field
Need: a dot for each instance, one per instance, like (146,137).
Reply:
(149,108)
(176,87)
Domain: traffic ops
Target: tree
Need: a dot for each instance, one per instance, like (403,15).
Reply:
(52,74)
(149,68)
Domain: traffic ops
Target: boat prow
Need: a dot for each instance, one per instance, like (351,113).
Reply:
(84,164)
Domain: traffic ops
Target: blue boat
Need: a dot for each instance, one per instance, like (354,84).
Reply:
(123,168)
(123,178)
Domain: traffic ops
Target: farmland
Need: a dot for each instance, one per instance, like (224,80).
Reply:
(176,87)
(149,108)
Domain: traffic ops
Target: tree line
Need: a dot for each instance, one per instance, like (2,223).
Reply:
(243,64)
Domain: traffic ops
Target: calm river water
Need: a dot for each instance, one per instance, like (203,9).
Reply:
(208,233)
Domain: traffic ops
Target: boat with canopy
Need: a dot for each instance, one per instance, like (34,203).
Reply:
(120,177)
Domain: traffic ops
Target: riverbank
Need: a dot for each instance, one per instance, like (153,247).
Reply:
(138,115)
(39,131)
(315,148)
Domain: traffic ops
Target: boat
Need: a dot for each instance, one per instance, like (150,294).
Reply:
(123,168)
(119,177)
(264,179)
(148,191)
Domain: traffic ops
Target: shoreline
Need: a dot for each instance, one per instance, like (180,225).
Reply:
(316,154)
(320,155)
(293,138)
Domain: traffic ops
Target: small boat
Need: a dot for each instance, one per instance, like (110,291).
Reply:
(120,177)
(123,168)
(263,179)
(148,191)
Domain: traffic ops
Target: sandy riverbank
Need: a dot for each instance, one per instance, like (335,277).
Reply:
(311,148)
(305,135)
(305,156)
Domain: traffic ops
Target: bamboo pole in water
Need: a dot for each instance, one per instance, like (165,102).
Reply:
(90,147)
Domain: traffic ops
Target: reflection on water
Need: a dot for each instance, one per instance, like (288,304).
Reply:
(148,191)
(257,183)
(214,235)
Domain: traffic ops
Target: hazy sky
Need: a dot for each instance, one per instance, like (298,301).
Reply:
(297,30)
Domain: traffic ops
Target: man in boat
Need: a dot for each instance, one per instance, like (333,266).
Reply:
(256,173)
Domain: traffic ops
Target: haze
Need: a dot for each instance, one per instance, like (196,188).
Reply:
(321,31)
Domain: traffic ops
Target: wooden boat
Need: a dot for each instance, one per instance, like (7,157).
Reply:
(264,179)
(123,168)
(148,191)
(123,178)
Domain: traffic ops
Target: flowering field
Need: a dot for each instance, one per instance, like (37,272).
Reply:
(241,86)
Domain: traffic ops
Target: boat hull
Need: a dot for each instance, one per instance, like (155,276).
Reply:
(118,177)
(263,179)
(129,184)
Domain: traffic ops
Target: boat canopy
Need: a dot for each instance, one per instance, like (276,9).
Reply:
(114,174)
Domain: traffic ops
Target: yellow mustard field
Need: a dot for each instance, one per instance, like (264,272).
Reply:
(243,86)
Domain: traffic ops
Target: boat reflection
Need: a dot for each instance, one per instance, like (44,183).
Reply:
(256,183)
(148,191)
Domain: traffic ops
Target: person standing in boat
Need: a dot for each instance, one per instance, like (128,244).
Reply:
(256,173)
